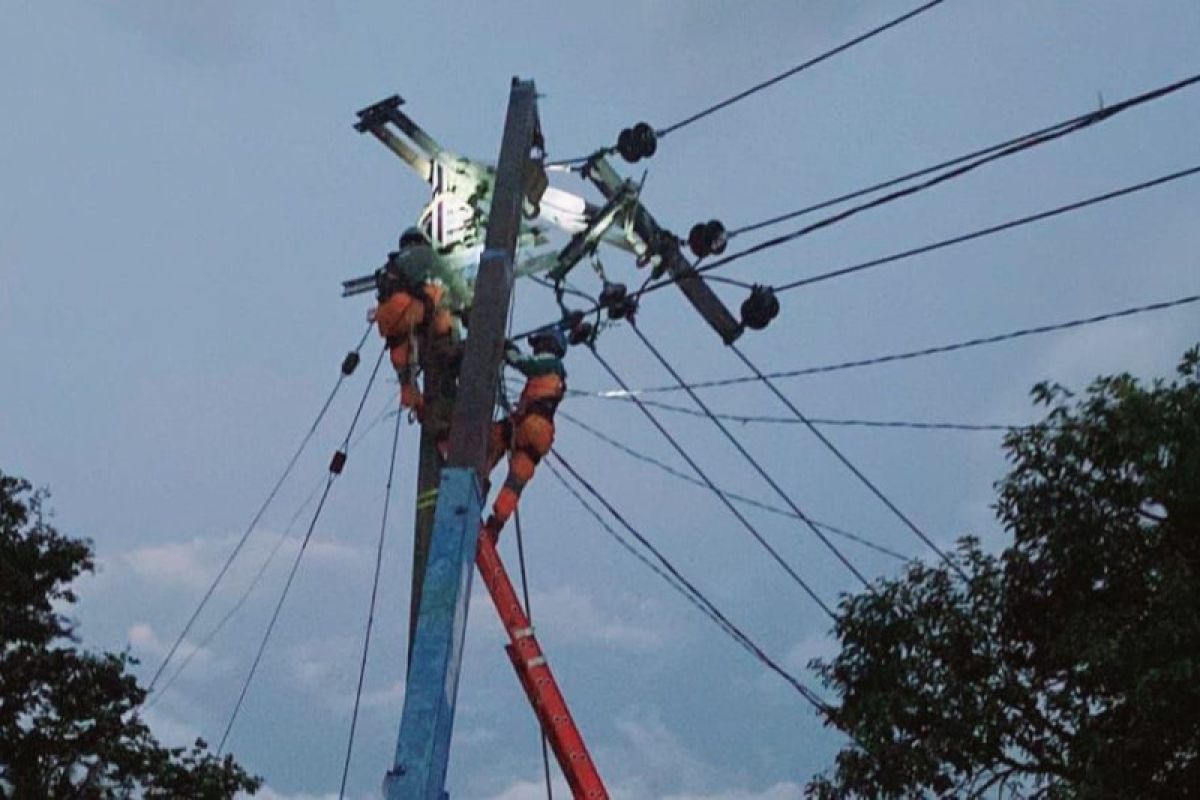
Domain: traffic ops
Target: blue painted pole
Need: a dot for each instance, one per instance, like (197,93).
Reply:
(423,747)
(422,750)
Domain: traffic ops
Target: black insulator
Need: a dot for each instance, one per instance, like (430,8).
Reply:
(647,142)
(572,319)
(581,333)
(625,308)
(338,463)
(714,233)
(760,308)
(627,146)
(350,363)
(612,294)
(698,240)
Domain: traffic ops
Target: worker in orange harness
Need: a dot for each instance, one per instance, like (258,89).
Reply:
(409,301)
(529,431)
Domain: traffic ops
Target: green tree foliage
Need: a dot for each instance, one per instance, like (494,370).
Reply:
(1067,666)
(69,723)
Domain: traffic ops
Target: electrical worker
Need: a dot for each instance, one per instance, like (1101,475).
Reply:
(411,302)
(529,431)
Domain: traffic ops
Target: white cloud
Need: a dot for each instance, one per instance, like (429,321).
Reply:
(173,564)
(780,791)
(144,640)
(267,793)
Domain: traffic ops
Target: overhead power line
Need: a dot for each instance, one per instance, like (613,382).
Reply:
(258,576)
(682,584)
(968,162)
(334,470)
(258,515)
(741,518)
(767,419)
(753,462)
(362,666)
(858,473)
(922,353)
(1016,223)
(812,62)
(923,249)
(750,501)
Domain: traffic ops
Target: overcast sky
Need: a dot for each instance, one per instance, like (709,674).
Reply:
(181,192)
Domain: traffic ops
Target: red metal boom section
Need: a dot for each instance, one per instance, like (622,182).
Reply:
(535,676)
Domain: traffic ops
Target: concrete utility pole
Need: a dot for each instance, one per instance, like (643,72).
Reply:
(422,749)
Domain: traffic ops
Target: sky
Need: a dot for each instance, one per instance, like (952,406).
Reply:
(181,193)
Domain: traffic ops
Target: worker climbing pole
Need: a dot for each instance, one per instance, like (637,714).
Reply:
(528,432)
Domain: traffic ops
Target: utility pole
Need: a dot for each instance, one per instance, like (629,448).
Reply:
(422,749)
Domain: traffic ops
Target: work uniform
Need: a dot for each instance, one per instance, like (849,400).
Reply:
(409,302)
(529,431)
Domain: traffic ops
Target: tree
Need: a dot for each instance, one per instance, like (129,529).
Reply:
(1068,665)
(69,722)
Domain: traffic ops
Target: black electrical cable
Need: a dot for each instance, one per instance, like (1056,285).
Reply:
(333,474)
(748,419)
(1016,223)
(258,576)
(529,613)
(867,482)
(916,251)
(812,62)
(750,501)
(362,665)
(936,350)
(713,487)
(287,470)
(977,157)
(673,582)
(712,611)
(753,462)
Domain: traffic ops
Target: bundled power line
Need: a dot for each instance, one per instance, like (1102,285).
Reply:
(684,586)
(335,469)
(348,366)
(960,165)
(750,501)
(908,355)
(702,475)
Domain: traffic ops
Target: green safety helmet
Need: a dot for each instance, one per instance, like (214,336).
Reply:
(413,237)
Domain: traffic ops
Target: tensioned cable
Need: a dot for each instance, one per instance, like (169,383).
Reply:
(712,611)
(928,248)
(831,447)
(713,487)
(633,551)
(752,461)
(749,419)
(978,157)
(812,62)
(362,666)
(529,614)
(927,351)
(253,522)
(990,230)
(333,474)
(750,501)
(258,576)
